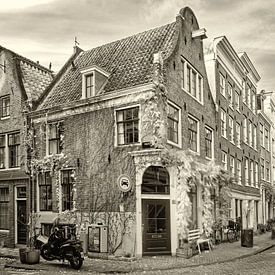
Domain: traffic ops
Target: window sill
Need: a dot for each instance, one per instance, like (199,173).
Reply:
(201,102)
(194,152)
(208,158)
(5,118)
(10,169)
(128,145)
(174,144)
(4,230)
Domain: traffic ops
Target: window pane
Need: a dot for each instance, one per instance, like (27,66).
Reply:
(127,126)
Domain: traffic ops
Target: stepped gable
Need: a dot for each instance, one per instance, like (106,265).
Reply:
(129,62)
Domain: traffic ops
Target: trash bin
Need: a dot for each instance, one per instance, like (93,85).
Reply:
(247,237)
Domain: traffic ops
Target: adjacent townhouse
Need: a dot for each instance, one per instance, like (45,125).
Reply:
(21,83)
(267,149)
(125,137)
(233,81)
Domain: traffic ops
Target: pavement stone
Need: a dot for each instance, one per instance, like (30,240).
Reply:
(222,253)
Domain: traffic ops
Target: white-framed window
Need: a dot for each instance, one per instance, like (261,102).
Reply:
(224,160)
(254,136)
(232,165)
(267,171)
(209,142)
(222,84)
(5,106)
(231,129)
(261,135)
(246,171)
(10,150)
(192,81)
(45,191)
(127,125)
(245,130)
(266,139)
(174,122)
(230,95)
(250,133)
(251,172)
(238,134)
(253,102)
(248,96)
(55,137)
(237,100)
(262,169)
(256,174)
(239,171)
(193,133)
(223,123)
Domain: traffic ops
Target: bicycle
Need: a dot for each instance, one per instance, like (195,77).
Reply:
(233,232)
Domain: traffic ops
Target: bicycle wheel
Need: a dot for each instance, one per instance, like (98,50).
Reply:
(231,235)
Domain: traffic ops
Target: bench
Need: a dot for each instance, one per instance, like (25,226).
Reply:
(195,235)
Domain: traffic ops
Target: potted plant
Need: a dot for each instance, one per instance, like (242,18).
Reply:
(30,255)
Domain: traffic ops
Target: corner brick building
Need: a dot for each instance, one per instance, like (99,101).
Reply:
(21,83)
(110,131)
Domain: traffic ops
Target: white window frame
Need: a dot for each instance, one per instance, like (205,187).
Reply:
(245,130)
(256,172)
(179,144)
(261,126)
(232,165)
(222,84)
(198,81)
(224,160)
(250,141)
(255,137)
(251,172)
(238,134)
(212,144)
(231,129)
(115,125)
(198,134)
(237,100)
(230,95)
(223,122)
(267,171)
(246,172)
(239,171)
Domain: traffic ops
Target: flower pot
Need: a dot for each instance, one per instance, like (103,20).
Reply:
(23,255)
(247,237)
(33,256)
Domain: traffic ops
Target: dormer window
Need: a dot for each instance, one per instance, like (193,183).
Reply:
(94,80)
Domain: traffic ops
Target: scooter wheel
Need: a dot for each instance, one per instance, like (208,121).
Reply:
(76,261)
(45,253)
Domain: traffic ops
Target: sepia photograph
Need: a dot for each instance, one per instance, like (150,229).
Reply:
(137,137)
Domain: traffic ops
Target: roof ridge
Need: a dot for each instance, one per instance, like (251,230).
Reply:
(130,36)
(27,60)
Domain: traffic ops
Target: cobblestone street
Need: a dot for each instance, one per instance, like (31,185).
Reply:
(227,258)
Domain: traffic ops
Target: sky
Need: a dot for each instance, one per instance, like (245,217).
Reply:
(45,30)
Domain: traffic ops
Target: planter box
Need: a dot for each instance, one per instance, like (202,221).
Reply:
(184,252)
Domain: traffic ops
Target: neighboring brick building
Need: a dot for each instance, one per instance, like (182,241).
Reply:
(266,114)
(21,82)
(118,116)
(233,80)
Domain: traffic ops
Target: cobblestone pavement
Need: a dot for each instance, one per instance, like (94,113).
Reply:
(151,265)
(260,264)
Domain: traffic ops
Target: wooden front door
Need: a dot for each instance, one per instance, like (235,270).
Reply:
(21,222)
(156,227)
